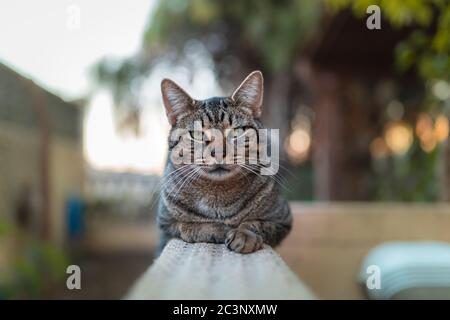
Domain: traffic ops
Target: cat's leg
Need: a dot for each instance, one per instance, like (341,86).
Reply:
(243,240)
(251,235)
(272,232)
(203,232)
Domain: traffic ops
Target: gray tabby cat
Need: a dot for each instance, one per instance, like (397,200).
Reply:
(218,203)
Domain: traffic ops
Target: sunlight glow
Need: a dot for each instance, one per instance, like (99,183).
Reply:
(106,149)
(298,145)
(398,137)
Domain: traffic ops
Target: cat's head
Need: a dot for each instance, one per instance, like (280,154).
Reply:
(211,125)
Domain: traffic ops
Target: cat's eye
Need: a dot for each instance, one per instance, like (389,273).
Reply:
(196,135)
(237,133)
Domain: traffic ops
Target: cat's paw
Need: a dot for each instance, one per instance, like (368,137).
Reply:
(243,241)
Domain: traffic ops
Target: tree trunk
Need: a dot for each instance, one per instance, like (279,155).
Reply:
(39,107)
(327,155)
(344,127)
(276,107)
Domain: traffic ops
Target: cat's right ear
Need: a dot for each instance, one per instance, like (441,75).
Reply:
(176,100)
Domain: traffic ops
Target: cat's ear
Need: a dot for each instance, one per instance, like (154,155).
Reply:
(249,94)
(176,100)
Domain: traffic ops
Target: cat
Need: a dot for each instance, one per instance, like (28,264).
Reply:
(229,204)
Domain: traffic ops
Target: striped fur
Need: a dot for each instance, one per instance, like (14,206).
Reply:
(242,210)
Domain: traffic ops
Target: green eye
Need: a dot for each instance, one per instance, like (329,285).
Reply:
(239,132)
(196,135)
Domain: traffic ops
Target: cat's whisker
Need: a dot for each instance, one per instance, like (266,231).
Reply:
(267,166)
(193,177)
(187,178)
(174,183)
(169,176)
(273,177)
(164,181)
(175,176)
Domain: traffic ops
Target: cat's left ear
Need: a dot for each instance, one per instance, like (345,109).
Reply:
(249,94)
(176,100)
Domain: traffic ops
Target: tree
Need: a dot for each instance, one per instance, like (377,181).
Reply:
(275,36)
(426,53)
(253,34)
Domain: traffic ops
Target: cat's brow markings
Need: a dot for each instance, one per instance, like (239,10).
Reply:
(210,116)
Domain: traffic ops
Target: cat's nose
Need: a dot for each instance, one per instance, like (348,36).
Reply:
(218,157)
(216,153)
(218,148)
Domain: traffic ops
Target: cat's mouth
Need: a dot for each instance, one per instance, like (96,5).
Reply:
(219,169)
(219,172)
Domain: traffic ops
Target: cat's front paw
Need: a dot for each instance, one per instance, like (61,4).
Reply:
(243,241)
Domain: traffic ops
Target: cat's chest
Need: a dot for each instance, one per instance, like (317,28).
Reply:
(216,208)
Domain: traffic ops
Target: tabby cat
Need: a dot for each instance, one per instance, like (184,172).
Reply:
(215,202)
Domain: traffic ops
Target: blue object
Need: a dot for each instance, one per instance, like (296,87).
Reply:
(75,217)
(409,270)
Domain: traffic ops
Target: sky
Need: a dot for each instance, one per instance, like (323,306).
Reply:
(56,42)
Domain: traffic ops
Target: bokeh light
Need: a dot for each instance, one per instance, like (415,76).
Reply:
(398,137)
(395,110)
(441,128)
(429,133)
(298,145)
(441,89)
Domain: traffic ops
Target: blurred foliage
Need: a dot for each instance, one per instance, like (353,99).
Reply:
(299,186)
(428,48)
(273,30)
(5,228)
(33,268)
(409,177)
(270,35)
(415,175)
(257,34)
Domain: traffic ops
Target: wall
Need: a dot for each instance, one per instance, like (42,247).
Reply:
(66,179)
(19,166)
(329,241)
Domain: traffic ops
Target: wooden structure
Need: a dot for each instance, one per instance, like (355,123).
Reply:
(211,271)
(350,74)
(329,241)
